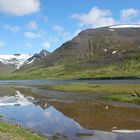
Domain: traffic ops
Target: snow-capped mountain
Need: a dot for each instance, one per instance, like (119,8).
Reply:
(35,58)
(91,47)
(17,59)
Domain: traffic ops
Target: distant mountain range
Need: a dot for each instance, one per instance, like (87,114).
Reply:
(107,51)
(16,61)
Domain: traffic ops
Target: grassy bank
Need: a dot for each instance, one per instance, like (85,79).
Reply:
(11,132)
(95,88)
(119,92)
(123,98)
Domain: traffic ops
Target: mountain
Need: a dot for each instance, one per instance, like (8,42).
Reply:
(102,52)
(9,63)
(101,46)
(36,58)
(16,61)
(4,68)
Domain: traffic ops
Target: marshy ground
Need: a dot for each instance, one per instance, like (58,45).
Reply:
(70,110)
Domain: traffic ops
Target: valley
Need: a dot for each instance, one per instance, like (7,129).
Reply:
(100,52)
(69,70)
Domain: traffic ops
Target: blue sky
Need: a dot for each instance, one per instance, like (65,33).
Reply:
(27,26)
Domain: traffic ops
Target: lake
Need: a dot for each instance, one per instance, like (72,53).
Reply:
(68,115)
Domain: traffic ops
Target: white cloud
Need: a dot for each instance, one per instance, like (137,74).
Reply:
(95,18)
(47,114)
(46,44)
(32,25)
(13,29)
(19,7)
(61,33)
(67,36)
(58,28)
(128,14)
(53,39)
(31,35)
(2,44)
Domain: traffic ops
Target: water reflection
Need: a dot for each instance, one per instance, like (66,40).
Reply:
(99,116)
(81,119)
(17,100)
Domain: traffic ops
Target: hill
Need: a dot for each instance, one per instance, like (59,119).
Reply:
(103,52)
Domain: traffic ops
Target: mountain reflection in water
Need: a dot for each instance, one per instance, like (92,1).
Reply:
(17,100)
(81,119)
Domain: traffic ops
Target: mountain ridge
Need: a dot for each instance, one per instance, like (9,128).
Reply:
(92,44)
(92,53)
(18,60)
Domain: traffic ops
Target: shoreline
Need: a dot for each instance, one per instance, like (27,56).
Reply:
(15,131)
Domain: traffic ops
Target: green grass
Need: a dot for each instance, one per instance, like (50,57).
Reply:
(83,134)
(11,132)
(129,68)
(119,92)
(123,98)
(95,88)
(22,88)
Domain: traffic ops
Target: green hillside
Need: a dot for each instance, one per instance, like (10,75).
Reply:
(93,53)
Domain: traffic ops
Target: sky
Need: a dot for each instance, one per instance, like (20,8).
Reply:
(28,26)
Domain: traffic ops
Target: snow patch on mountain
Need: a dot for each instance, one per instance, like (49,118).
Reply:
(19,60)
(1,60)
(16,59)
(29,62)
(36,57)
(125,26)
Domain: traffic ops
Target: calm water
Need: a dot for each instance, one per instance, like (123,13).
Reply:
(133,81)
(71,116)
